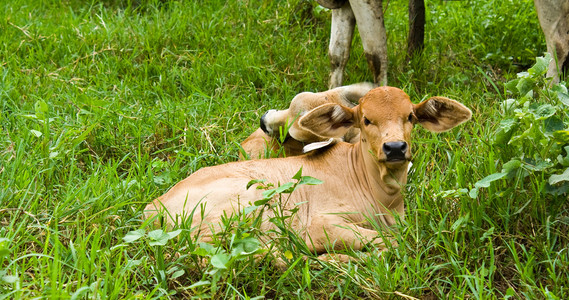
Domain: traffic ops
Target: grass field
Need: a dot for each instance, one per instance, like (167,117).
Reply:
(106,104)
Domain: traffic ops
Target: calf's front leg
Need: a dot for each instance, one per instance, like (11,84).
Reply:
(329,232)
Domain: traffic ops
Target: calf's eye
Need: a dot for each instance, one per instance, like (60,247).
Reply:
(410,118)
(366,121)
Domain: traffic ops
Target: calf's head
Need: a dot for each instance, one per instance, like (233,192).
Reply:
(385,116)
(273,121)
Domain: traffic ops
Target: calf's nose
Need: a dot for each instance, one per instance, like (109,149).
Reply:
(395,150)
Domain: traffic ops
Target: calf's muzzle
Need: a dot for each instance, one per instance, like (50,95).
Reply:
(262,123)
(395,151)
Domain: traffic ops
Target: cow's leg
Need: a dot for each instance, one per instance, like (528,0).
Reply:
(369,17)
(343,24)
(554,20)
(416,38)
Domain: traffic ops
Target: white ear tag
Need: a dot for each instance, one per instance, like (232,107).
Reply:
(318,145)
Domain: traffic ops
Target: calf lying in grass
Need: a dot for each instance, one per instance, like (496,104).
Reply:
(361,181)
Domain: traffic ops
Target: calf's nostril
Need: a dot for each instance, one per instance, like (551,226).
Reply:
(386,148)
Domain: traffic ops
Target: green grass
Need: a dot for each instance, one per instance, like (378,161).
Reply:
(107,104)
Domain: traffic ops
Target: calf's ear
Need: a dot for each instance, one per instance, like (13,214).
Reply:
(328,120)
(441,114)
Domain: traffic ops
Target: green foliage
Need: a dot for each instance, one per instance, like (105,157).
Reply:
(104,105)
(533,134)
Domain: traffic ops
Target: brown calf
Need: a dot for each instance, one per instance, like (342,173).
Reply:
(361,180)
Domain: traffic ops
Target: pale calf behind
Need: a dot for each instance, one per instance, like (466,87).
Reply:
(274,121)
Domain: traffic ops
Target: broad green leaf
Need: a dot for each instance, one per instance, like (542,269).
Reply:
(250,244)
(563,98)
(9,278)
(561,136)
(4,247)
(553,124)
(511,166)
(544,111)
(286,188)
(505,131)
(559,88)
(525,85)
(510,292)
(540,66)
(162,178)
(298,174)
(507,124)
(200,252)
(246,246)
(36,133)
(158,238)
(564,160)
(156,234)
(537,165)
(559,189)
(133,236)
(523,74)
(132,263)
(268,194)
(220,260)
(254,181)
(249,209)
(177,274)
(460,222)
(556,178)
(210,249)
(174,234)
(512,85)
(308,180)
(159,242)
(200,283)
(508,104)
(485,182)
(238,250)
(262,202)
